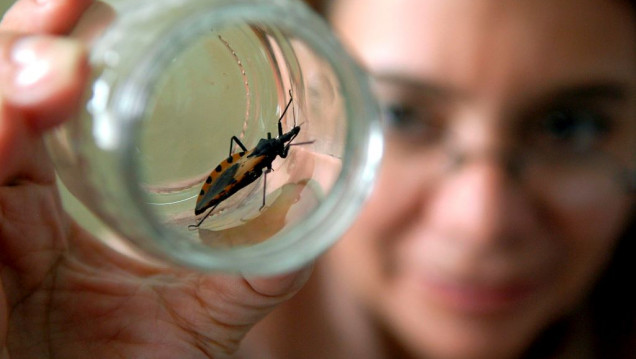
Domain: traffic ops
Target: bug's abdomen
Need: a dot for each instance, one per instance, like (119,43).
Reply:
(231,175)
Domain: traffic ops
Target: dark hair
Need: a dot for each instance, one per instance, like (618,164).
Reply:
(613,300)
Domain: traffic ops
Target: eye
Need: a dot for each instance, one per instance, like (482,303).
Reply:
(400,117)
(573,130)
(411,122)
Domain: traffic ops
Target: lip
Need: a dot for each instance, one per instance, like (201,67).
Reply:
(479,299)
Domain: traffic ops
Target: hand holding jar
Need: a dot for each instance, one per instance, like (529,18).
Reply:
(63,293)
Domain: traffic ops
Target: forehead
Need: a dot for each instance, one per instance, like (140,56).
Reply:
(476,41)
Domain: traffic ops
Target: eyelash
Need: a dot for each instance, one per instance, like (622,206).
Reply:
(572,129)
(417,122)
(563,129)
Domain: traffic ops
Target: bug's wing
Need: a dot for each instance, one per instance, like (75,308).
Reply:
(224,180)
(209,195)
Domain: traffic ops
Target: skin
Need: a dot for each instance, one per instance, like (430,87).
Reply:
(476,264)
(62,293)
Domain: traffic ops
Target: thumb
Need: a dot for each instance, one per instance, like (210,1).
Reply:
(231,305)
(283,285)
(42,77)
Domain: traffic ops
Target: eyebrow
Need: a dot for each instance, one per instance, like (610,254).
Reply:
(614,91)
(608,91)
(420,86)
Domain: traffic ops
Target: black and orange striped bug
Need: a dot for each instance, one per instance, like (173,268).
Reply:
(242,168)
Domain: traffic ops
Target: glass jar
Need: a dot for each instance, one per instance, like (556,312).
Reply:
(172,82)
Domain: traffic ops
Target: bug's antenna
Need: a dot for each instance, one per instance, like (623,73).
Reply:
(302,143)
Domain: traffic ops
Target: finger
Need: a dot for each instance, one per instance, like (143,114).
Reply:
(41,77)
(282,285)
(231,306)
(44,16)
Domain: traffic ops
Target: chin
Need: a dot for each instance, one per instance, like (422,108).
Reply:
(425,327)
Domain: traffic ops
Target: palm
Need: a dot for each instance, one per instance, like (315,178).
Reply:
(59,300)
(85,300)
(64,294)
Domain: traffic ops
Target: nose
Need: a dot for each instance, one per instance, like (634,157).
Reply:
(481,202)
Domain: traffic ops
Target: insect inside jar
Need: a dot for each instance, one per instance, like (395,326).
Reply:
(240,169)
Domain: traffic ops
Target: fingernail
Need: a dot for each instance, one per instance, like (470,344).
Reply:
(42,65)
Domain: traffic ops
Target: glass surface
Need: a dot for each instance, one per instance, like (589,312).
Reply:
(164,104)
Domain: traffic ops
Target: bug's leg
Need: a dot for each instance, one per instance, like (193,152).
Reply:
(268,170)
(280,119)
(233,140)
(195,226)
(294,115)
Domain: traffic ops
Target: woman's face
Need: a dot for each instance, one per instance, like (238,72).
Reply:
(473,258)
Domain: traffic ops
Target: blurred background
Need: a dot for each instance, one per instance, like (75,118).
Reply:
(4,5)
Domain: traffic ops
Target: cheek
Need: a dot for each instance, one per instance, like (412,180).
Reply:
(395,201)
(368,250)
(589,234)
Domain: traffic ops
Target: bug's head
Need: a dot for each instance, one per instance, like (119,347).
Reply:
(289,136)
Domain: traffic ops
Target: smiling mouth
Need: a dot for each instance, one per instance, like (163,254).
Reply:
(479,299)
